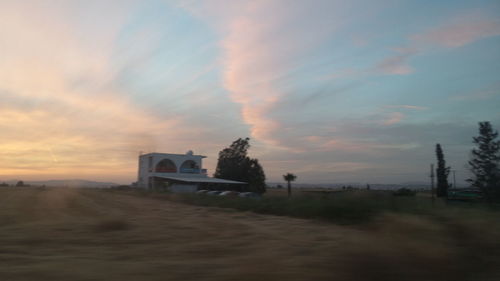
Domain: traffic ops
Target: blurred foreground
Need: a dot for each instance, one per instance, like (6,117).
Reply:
(86,234)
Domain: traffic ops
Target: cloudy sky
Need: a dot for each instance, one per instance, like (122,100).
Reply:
(333,91)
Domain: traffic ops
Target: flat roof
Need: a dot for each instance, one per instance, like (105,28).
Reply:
(201,180)
(177,154)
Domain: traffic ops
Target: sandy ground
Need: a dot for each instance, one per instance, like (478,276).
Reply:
(78,234)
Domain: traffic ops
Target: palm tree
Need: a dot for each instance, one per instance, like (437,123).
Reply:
(289,177)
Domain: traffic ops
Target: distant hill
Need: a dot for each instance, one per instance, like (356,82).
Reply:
(65,183)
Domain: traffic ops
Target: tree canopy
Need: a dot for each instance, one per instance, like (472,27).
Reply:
(234,164)
(289,177)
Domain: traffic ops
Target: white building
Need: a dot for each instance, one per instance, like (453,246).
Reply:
(178,173)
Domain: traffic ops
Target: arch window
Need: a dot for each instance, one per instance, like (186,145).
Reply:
(190,167)
(166,166)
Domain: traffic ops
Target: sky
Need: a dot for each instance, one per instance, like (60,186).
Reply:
(332,91)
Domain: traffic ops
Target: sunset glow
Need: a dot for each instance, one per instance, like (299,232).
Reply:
(333,91)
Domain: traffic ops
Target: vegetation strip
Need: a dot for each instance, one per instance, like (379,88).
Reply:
(348,207)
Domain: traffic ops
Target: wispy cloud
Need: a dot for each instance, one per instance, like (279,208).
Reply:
(406,106)
(394,118)
(453,33)
(86,85)
(394,65)
(462,31)
(258,47)
(59,113)
(366,146)
(486,92)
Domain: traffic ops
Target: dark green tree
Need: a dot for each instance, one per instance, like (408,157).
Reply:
(442,173)
(485,162)
(234,164)
(20,183)
(289,177)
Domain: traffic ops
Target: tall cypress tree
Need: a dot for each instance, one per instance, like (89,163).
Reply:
(485,162)
(442,173)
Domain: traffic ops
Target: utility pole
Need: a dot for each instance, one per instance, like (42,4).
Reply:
(432,183)
(454,180)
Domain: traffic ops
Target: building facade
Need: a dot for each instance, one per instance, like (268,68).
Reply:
(177,173)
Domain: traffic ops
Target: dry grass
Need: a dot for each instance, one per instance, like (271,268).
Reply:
(112,225)
(78,234)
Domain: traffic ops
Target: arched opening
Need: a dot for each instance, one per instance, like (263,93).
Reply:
(190,167)
(166,166)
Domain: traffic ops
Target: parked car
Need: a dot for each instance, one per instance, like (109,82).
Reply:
(202,191)
(249,195)
(229,193)
(213,192)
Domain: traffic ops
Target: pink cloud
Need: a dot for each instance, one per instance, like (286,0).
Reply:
(406,106)
(397,64)
(394,118)
(258,47)
(460,33)
(69,131)
(394,65)
(320,143)
(452,34)
(333,167)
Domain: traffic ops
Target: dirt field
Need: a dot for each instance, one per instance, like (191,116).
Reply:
(79,234)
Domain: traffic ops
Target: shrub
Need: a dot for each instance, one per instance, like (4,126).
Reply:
(346,208)
(404,192)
